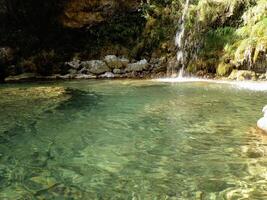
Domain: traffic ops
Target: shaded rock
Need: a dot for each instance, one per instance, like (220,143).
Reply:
(241,75)
(6,55)
(21,77)
(72,71)
(75,64)
(96,66)
(158,65)
(107,75)
(118,71)
(84,70)
(124,62)
(138,66)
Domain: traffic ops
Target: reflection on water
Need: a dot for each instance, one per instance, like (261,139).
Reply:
(131,140)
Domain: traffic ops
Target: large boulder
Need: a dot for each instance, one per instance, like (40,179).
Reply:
(95,66)
(138,66)
(114,62)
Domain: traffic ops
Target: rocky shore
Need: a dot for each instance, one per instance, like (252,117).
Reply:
(110,67)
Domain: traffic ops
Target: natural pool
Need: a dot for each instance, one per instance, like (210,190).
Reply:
(131,140)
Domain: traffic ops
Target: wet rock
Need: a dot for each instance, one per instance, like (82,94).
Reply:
(262,123)
(138,66)
(96,66)
(21,77)
(241,75)
(107,75)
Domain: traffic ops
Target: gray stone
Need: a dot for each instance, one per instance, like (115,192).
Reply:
(96,66)
(75,64)
(138,66)
(114,62)
(107,75)
(72,71)
(83,71)
(118,71)
(124,62)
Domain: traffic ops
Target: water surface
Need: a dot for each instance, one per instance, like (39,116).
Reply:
(131,140)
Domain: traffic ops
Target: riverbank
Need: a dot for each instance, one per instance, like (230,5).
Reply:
(113,67)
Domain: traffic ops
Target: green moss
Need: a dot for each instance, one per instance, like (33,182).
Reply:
(224,69)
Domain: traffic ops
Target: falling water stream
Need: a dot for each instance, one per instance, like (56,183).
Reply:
(180,41)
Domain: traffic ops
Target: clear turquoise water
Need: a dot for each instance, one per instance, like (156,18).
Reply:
(131,140)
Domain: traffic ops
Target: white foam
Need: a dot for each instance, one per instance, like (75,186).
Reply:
(249,85)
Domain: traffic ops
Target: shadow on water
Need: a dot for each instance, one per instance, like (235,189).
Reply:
(79,100)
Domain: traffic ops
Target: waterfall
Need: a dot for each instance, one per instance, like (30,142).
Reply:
(180,41)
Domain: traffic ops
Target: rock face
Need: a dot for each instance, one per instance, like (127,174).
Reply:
(262,123)
(84,13)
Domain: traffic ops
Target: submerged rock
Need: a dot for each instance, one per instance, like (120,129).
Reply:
(96,66)
(262,123)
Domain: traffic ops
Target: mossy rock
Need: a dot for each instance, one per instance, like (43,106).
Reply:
(224,69)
